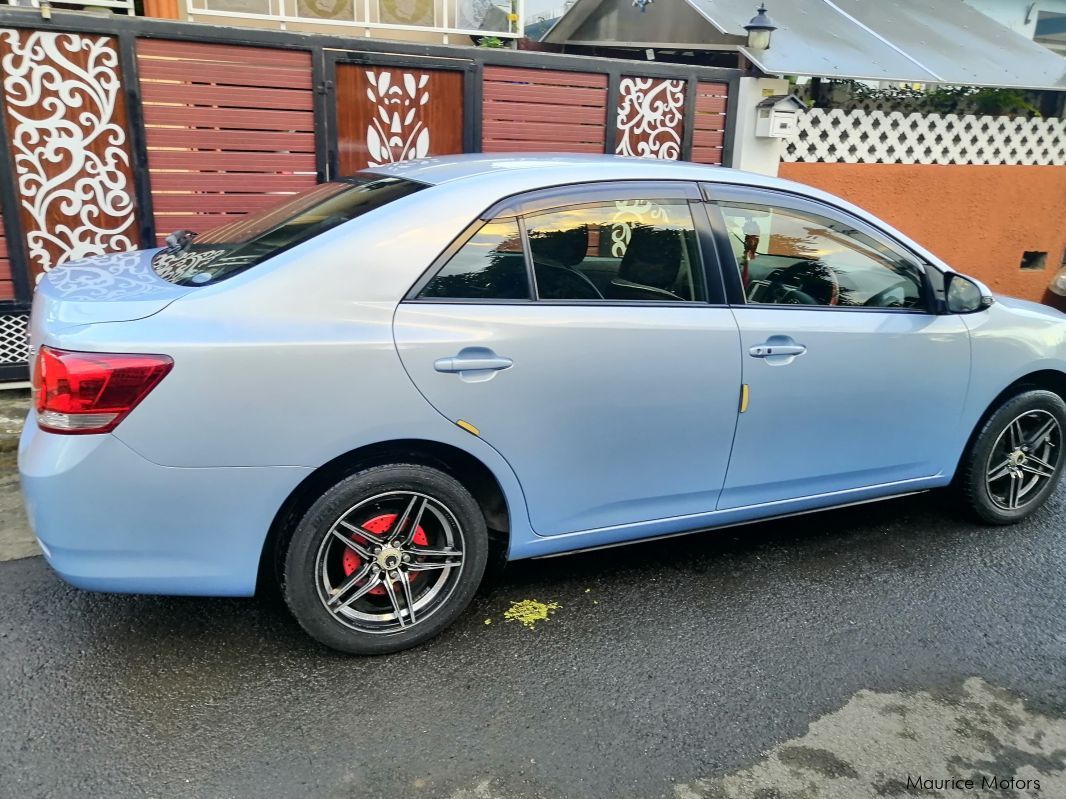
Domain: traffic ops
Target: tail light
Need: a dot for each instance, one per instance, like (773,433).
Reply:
(91,392)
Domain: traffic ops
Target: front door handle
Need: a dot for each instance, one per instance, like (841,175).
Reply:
(778,350)
(769,350)
(473,359)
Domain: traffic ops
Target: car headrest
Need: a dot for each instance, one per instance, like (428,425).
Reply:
(560,247)
(653,257)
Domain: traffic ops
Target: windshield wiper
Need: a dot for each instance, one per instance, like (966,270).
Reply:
(179,240)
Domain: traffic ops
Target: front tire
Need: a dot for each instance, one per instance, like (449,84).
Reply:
(1015,461)
(385,559)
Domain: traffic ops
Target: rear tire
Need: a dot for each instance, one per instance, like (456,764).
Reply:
(385,559)
(1015,461)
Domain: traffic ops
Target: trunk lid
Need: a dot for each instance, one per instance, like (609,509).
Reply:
(110,288)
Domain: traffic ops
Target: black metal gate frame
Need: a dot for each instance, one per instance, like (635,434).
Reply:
(327,50)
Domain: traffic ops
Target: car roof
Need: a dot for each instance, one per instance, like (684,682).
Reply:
(439,170)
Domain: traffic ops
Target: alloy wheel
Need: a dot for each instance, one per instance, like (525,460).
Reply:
(1024,459)
(390,562)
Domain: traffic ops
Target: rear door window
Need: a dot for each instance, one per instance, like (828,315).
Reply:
(619,242)
(216,254)
(626,250)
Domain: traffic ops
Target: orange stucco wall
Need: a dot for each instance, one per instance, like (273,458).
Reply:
(979,219)
(163,9)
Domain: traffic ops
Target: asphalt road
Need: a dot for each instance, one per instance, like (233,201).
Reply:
(834,655)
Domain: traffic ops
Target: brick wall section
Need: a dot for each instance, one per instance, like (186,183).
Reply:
(535,110)
(229,129)
(708,137)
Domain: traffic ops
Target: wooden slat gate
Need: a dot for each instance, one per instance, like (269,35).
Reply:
(389,107)
(114,132)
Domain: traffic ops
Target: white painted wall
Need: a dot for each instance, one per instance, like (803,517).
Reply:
(750,152)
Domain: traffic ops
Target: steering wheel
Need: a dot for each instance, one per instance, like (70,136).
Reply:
(805,283)
(888,297)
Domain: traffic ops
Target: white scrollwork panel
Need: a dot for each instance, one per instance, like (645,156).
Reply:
(650,114)
(397,131)
(63,93)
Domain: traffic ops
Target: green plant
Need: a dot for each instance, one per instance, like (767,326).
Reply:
(490,41)
(944,99)
(941,99)
(998,102)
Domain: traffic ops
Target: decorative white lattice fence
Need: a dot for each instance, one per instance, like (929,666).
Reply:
(14,342)
(891,137)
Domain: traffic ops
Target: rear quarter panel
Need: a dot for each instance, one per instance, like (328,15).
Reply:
(293,363)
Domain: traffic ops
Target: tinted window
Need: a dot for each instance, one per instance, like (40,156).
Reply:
(788,257)
(227,250)
(491,266)
(626,250)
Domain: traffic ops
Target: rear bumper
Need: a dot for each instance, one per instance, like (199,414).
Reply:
(109,520)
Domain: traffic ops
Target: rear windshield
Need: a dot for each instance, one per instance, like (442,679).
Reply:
(222,252)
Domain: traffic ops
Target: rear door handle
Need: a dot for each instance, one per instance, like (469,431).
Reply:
(473,359)
(770,350)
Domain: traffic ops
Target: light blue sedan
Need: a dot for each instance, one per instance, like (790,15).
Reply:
(369,392)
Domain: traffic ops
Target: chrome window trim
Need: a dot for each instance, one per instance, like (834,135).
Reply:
(572,195)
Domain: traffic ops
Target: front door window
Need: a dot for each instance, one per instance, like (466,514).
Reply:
(791,257)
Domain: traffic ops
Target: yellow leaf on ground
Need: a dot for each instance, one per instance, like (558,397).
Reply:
(529,611)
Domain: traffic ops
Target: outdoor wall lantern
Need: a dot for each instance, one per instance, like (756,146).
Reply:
(759,29)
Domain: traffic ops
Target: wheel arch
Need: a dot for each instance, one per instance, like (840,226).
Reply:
(1053,380)
(469,470)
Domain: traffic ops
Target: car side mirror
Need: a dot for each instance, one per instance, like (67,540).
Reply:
(964,295)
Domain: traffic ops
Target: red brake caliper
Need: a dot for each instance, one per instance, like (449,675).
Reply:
(378,525)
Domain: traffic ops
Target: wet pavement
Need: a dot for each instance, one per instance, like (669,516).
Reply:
(833,655)
(16,540)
